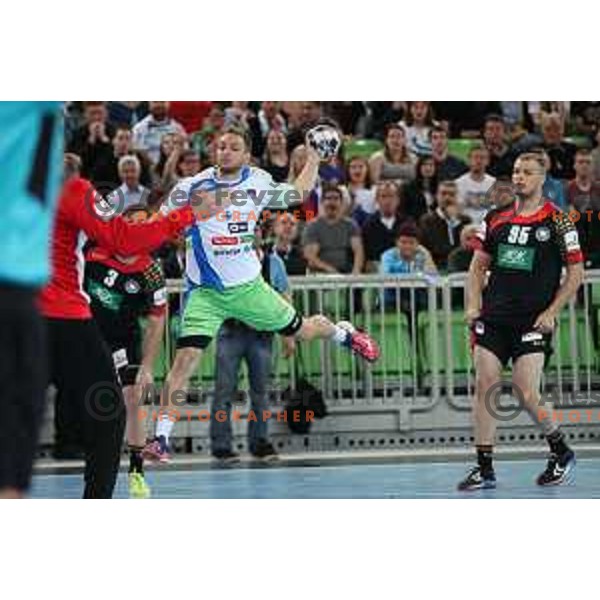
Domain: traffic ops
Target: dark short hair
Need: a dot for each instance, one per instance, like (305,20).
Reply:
(583,152)
(408,229)
(240,131)
(494,118)
(330,187)
(134,208)
(478,146)
(438,129)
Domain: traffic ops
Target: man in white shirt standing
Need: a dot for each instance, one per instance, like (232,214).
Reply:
(131,192)
(150,130)
(472,187)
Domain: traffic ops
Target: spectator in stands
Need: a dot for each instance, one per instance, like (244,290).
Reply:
(270,117)
(459,260)
(104,171)
(596,157)
(201,141)
(553,189)
(148,133)
(276,160)
(406,258)
(236,341)
(172,146)
(180,164)
(381,229)
(383,113)
(308,115)
(583,193)
(464,119)
(502,156)
(440,229)
(583,196)
(419,195)
(190,114)
(586,118)
(287,244)
(418,124)
(240,114)
(348,115)
(473,187)
(358,183)
(126,113)
(332,242)
(561,153)
(96,129)
(448,167)
(189,164)
(394,162)
(131,192)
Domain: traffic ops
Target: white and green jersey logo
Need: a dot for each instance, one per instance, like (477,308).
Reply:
(219,246)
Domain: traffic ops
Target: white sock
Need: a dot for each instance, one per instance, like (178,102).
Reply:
(341,336)
(164,426)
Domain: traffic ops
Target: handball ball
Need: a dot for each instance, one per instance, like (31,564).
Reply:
(325,139)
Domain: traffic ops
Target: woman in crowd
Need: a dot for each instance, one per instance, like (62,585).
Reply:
(418,124)
(394,161)
(419,195)
(276,160)
(358,183)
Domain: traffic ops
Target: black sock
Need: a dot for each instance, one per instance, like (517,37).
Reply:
(484,459)
(136,462)
(556,441)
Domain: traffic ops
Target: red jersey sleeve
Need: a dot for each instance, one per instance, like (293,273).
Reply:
(116,235)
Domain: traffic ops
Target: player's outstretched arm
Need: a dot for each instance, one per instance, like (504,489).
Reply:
(307,179)
(117,235)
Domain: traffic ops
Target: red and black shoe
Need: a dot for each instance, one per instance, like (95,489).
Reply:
(364,345)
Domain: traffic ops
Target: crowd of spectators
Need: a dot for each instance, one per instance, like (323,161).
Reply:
(411,205)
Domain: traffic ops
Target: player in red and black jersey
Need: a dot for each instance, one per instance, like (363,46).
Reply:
(524,246)
(122,290)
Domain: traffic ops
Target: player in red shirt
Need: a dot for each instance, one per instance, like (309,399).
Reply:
(524,246)
(80,362)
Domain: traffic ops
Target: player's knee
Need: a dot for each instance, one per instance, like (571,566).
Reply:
(316,324)
(186,360)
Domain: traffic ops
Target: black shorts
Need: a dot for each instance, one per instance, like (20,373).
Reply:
(127,357)
(22,384)
(510,340)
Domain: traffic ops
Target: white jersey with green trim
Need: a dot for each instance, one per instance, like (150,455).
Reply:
(219,246)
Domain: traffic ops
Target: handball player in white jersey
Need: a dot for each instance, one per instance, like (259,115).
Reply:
(223,274)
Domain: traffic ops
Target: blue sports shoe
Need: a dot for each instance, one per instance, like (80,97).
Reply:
(559,470)
(476,481)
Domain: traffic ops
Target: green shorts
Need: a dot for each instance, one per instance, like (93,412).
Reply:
(255,303)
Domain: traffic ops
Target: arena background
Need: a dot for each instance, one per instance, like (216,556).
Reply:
(414,404)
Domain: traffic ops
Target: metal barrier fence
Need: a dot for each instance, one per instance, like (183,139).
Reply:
(419,324)
(419,394)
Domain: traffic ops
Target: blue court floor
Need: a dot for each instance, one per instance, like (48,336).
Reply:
(416,480)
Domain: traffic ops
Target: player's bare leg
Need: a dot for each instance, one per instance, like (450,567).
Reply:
(343,333)
(185,364)
(135,434)
(488,372)
(527,376)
